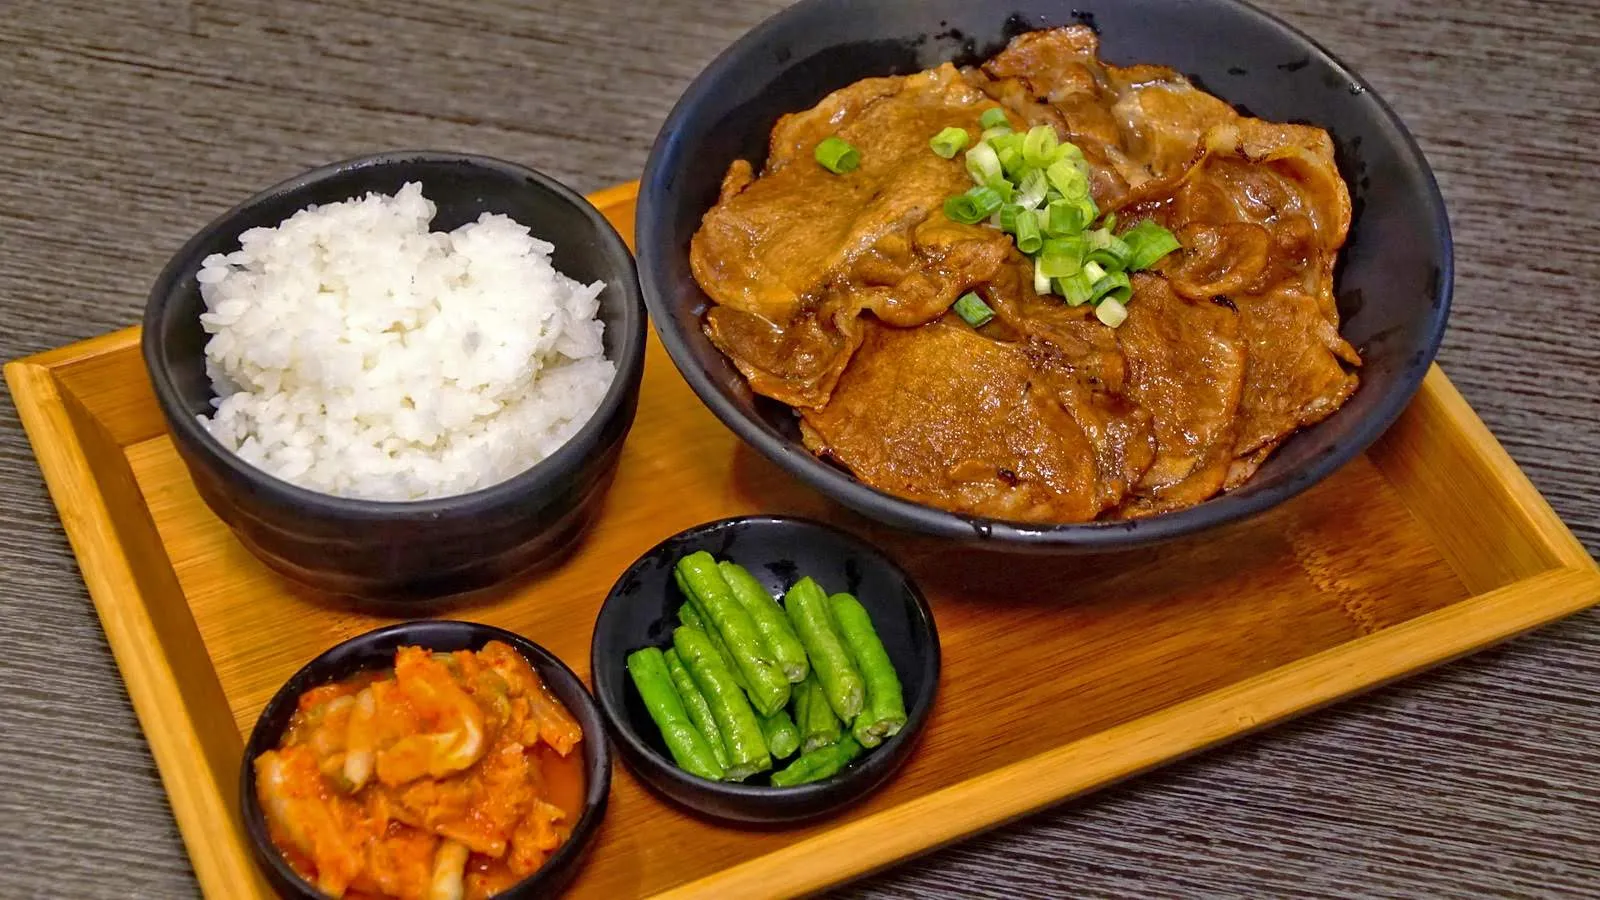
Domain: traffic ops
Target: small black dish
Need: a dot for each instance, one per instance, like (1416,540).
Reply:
(420,550)
(376,649)
(1393,286)
(641,610)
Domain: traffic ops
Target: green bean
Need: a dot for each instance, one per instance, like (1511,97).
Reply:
(688,615)
(819,727)
(695,703)
(688,746)
(741,732)
(883,713)
(812,616)
(767,685)
(821,763)
(770,621)
(781,734)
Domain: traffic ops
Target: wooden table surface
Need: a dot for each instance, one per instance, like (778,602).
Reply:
(124,126)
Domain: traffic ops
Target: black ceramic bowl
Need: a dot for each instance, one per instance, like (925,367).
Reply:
(423,549)
(1393,289)
(375,650)
(641,611)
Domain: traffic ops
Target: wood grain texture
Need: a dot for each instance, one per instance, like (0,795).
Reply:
(1133,660)
(123,127)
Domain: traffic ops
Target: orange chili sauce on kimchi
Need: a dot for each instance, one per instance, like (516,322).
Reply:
(452,774)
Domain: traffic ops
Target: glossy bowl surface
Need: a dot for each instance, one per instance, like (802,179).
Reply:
(1393,285)
(419,550)
(376,649)
(641,610)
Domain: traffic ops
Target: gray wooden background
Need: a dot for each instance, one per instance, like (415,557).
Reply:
(125,125)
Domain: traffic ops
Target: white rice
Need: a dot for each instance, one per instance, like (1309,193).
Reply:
(356,353)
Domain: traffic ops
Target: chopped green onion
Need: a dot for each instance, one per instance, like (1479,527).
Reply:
(949,142)
(1004,188)
(1069,217)
(1111,252)
(1008,217)
(1029,240)
(1075,288)
(973,310)
(1031,191)
(1041,281)
(837,156)
(1060,257)
(1011,161)
(1039,146)
(1111,312)
(1147,243)
(992,117)
(990,135)
(1109,223)
(1112,285)
(1068,179)
(983,165)
(974,206)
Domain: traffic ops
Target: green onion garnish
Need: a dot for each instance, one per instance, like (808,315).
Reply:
(1041,281)
(949,142)
(1111,312)
(1008,217)
(973,310)
(837,156)
(1035,187)
(983,165)
(1147,243)
(1029,240)
(1039,146)
(1060,257)
(1109,250)
(974,206)
(1067,178)
(1068,217)
(1032,189)
(1112,284)
(1075,288)
(993,134)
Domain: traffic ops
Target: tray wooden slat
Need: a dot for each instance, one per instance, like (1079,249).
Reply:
(1061,675)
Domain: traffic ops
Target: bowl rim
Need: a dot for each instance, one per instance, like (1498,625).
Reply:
(597,788)
(659,768)
(1095,535)
(570,455)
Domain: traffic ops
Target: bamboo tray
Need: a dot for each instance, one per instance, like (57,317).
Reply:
(1061,675)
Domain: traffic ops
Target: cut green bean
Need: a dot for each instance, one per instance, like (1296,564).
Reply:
(689,748)
(781,734)
(695,704)
(741,731)
(824,762)
(769,618)
(819,727)
(689,616)
(812,616)
(767,685)
(883,713)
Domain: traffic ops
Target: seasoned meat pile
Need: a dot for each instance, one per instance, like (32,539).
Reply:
(832,293)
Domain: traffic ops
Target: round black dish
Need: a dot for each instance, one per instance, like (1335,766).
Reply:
(376,649)
(423,549)
(1393,289)
(641,610)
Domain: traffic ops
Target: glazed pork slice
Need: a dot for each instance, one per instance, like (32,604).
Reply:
(945,416)
(1186,366)
(791,259)
(1262,215)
